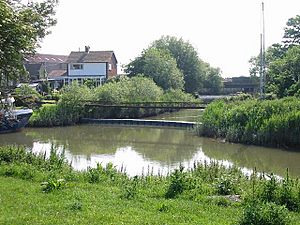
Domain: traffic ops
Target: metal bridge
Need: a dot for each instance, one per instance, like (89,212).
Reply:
(148,105)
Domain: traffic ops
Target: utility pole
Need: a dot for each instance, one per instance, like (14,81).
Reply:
(262,55)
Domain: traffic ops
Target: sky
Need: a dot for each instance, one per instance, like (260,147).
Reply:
(226,34)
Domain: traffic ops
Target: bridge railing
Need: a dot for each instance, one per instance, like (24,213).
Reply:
(162,105)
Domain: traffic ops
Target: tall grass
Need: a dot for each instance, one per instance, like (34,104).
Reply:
(264,200)
(261,122)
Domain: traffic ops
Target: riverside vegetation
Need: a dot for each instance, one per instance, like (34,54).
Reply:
(253,121)
(71,105)
(49,191)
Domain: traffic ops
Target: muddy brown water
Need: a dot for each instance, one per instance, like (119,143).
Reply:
(151,149)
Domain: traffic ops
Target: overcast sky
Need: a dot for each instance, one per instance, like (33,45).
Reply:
(224,33)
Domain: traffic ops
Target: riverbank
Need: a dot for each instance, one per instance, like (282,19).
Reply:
(49,191)
(259,122)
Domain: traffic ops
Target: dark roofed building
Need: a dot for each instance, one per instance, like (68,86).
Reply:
(41,58)
(40,66)
(94,65)
(240,84)
(91,57)
(45,67)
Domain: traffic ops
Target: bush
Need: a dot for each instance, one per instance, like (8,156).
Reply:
(27,96)
(136,89)
(178,183)
(47,115)
(258,213)
(68,110)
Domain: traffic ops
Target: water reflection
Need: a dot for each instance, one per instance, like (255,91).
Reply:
(143,149)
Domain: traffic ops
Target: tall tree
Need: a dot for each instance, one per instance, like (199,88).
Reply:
(160,66)
(22,26)
(284,74)
(212,80)
(187,61)
(292,31)
(274,52)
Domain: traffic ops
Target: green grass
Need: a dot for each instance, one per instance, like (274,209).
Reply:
(23,202)
(39,190)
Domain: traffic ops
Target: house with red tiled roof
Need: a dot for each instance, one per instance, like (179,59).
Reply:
(93,65)
(96,66)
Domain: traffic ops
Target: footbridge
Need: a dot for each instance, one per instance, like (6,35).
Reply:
(147,105)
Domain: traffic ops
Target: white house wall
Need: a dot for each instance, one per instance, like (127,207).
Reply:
(89,69)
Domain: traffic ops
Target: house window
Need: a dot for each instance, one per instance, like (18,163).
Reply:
(76,66)
(109,67)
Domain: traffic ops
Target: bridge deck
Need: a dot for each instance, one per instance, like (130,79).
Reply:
(141,122)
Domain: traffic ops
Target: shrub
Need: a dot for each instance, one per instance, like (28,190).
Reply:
(131,188)
(27,96)
(47,115)
(226,185)
(258,213)
(178,183)
(68,110)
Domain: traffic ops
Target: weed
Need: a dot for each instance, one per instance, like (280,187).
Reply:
(131,188)
(178,183)
(52,185)
(259,213)
(226,185)
(76,205)
(163,208)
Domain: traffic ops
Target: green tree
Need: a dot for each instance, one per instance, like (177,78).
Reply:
(281,62)
(158,65)
(213,80)
(187,61)
(196,72)
(284,74)
(274,52)
(22,26)
(292,31)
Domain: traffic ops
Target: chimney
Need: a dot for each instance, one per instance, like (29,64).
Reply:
(87,49)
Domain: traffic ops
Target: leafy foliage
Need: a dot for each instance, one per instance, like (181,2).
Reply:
(68,111)
(282,62)
(53,184)
(27,96)
(158,65)
(284,78)
(269,122)
(22,26)
(257,213)
(292,31)
(169,57)
(178,183)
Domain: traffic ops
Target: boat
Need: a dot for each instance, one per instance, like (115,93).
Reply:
(11,119)
(14,120)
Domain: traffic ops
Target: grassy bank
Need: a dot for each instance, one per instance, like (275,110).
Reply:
(39,190)
(260,122)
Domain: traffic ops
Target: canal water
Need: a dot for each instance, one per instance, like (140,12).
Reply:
(142,150)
